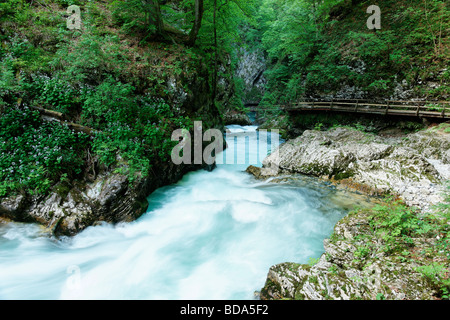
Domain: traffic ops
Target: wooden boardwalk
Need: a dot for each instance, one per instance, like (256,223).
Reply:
(421,109)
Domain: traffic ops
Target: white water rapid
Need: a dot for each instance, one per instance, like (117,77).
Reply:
(214,235)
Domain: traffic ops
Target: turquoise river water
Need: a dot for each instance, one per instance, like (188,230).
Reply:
(213,235)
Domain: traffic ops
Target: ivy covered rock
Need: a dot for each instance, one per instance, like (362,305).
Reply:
(72,101)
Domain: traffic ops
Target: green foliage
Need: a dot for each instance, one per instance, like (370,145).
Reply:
(314,48)
(380,296)
(67,3)
(436,273)
(96,78)
(132,17)
(28,38)
(109,102)
(8,82)
(313,261)
(318,126)
(91,58)
(405,235)
(396,224)
(136,17)
(138,128)
(10,7)
(51,93)
(363,251)
(291,34)
(443,243)
(35,154)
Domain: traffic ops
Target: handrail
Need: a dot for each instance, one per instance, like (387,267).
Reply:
(438,109)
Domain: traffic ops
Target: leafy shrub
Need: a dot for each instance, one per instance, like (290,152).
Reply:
(52,93)
(396,223)
(8,83)
(35,154)
(10,7)
(90,59)
(333,47)
(110,102)
(436,274)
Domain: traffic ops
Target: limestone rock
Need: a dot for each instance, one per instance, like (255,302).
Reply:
(12,207)
(255,171)
(413,168)
(348,155)
(431,144)
(234,117)
(341,275)
(110,197)
(250,70)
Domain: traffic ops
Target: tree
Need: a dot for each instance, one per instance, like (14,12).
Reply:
(215,51)
(199,9)
(153,15)
(156,19)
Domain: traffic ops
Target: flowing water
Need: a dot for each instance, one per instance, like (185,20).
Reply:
(214,235)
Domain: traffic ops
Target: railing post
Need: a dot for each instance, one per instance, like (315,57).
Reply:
(387,107)
(418,108)
(443,111)
(357,105)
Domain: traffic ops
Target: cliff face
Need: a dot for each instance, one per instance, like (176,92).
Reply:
(250,70)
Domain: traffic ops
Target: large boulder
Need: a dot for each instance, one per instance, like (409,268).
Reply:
(432,144)
(235,117)
(366,161)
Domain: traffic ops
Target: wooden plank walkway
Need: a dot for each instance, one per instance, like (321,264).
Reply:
(423,109)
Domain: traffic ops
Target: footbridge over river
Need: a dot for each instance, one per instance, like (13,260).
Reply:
(420,109)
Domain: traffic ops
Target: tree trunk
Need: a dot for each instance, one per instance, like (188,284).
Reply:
(197,23)
(215,53)
(153,14)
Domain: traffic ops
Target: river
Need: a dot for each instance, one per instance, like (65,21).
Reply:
(213,235)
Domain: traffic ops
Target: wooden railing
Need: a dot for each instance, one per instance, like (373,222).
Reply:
(426,109)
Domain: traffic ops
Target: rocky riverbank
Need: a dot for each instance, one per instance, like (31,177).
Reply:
(73,206)
(356,263)
(348,270)
(411,166)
